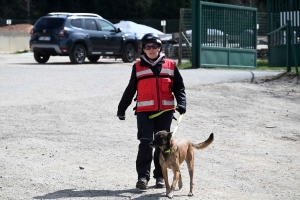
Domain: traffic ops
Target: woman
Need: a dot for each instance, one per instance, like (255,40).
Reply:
(156,80)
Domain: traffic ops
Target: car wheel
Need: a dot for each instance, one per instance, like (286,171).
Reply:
(78,54)
(93,58)
(128,54)
(40,58)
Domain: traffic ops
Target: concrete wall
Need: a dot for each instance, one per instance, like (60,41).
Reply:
(11,42)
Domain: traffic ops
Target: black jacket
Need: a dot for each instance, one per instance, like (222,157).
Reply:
(178,87)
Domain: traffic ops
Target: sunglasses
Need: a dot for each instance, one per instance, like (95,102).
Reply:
(148,47)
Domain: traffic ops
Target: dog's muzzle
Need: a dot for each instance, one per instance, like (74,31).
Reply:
(152,145)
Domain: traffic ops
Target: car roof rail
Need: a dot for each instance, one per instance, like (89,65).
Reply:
(85,14)
(75,14)
(59,13)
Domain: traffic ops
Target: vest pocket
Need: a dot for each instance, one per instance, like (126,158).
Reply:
(166,85)
(145,103)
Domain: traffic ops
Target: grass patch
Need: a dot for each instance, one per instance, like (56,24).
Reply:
(23,51)
(261,65)
(185,65)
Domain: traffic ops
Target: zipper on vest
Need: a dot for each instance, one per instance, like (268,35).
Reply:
(158,97)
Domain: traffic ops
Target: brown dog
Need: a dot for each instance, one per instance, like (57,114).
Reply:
(173,153)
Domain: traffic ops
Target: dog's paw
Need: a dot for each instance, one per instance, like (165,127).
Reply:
(190,194)
(170,195)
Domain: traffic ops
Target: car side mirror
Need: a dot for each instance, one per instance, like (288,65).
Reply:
(119,30)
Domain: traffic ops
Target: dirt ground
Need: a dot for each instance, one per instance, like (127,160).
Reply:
(60,137)
(17,28)
(62,142)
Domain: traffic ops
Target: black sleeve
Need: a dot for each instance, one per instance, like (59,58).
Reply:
(179,89)
(128,93)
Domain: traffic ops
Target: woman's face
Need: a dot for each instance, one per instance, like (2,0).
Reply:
(152,50)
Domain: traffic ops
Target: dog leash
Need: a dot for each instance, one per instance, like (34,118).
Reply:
(175,130)
(161,112)
(176,127)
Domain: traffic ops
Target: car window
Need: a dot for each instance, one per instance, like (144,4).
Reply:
(106,26)
(90,24)
(76,23)
(46,22)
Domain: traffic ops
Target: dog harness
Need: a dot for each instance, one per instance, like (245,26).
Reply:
(154,93)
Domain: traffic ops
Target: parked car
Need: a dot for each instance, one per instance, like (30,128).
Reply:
(80,35)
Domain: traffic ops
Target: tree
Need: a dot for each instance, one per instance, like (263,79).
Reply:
(123,9)
(167,9)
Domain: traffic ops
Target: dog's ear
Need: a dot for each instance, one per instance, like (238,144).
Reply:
(169,135)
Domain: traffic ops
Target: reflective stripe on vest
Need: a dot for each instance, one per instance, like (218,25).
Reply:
(145,103)
(164,71)
(167,71)
(144,72)
(168,103)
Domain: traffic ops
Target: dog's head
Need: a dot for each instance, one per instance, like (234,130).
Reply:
(161,140)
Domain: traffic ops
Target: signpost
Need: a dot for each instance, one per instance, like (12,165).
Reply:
(163,24)
(8,21)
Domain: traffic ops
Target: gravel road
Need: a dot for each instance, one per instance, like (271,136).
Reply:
(60,137)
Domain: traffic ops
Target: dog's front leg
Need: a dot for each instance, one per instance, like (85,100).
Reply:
(164,171)
(175,180)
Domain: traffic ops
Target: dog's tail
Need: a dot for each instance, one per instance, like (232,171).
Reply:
(204,144)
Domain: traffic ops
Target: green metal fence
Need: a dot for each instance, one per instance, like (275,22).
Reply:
(223,35)
(262,22)
(284,39)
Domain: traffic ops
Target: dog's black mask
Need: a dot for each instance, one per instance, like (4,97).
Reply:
(161,138)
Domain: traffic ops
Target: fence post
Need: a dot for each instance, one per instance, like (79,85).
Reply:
(288,46)
(180,36)
(195,33)
(294,52)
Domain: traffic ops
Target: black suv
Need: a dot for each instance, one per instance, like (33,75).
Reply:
(80,35)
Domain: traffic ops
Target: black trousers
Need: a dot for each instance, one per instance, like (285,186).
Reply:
(146,130)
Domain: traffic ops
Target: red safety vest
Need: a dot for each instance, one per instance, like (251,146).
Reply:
(154,93)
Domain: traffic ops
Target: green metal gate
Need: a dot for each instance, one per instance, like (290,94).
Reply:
(281,13)
(223,35)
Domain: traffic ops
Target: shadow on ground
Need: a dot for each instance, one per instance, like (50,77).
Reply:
(69,63)
(73,193)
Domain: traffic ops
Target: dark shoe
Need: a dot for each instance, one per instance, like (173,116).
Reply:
(160,183)
(142,184)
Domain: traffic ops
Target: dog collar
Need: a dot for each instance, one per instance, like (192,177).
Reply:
(169,150)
